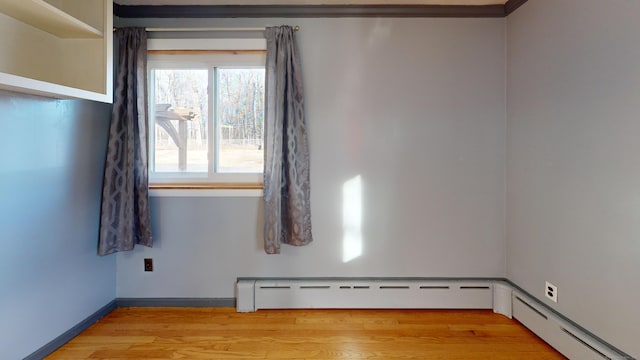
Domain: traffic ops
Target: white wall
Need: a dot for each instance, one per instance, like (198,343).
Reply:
(416,108)
(573,160)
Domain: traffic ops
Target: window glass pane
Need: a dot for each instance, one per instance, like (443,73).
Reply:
(240,120)
(181,111)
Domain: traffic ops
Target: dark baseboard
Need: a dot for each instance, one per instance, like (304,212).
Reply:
(54,344)
(68,335)
(176,302)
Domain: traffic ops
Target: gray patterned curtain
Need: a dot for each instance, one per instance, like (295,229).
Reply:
(286,160)
(125,219)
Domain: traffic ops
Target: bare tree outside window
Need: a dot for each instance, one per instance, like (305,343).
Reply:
(182,117)
(241,119)
(181,110)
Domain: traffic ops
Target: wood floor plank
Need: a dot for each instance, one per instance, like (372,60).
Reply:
(203,333)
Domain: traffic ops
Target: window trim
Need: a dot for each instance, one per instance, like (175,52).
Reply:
(204,192)
(226,50)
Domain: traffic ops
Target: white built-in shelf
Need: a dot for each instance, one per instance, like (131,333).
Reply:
(57,48)
(46,17)
(42,88)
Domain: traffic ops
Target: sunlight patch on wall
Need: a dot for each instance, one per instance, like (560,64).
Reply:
(352,219)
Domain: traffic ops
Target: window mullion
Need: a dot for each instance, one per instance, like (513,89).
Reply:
(152,120)
(211,123)
(216,121)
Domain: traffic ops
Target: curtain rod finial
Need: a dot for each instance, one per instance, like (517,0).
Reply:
(296,28)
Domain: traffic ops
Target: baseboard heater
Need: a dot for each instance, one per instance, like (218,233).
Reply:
(255,294)
(382,293)
(566,337)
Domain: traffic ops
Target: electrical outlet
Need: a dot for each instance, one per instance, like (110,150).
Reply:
(148,264)
(551,291)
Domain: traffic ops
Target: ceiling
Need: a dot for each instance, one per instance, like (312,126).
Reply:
(310,2)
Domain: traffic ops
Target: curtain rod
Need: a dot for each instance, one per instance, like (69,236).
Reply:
(295,28)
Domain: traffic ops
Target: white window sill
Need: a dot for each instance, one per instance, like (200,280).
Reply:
(205,192)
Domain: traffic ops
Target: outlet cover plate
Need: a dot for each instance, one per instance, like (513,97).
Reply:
(551,291)
(148,264)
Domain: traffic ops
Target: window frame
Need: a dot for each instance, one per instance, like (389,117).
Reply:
(210,55)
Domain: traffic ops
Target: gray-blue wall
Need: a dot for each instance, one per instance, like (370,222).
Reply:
(413,107)
(51,161)
(574,160)
(416,108)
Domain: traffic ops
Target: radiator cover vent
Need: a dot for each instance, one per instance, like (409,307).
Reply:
(564,336)
(255,294)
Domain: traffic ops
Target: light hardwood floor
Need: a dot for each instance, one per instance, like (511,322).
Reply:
(206,333)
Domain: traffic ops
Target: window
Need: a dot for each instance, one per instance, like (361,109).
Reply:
(206,116)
